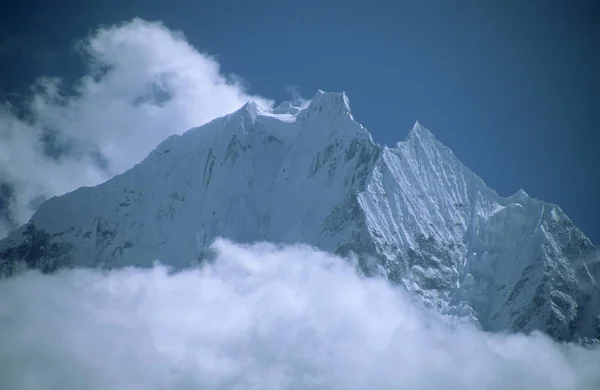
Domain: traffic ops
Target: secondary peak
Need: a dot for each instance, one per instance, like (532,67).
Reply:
(330,102)
(419,132)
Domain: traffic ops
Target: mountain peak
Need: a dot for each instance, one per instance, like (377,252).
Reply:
(419,132)
(330,102)
(287,107)
(248,111)
(520,196)
(414,214)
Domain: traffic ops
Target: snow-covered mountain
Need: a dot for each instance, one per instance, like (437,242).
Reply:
(413,213)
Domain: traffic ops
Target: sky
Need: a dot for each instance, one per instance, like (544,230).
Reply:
(511,87)
(259,317)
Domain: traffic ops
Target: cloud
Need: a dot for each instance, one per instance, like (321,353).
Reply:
(259,317)
(296,98)
(144,83)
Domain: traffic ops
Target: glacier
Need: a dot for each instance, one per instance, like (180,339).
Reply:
(412,213)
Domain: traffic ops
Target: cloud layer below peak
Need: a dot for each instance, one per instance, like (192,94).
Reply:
(261,317)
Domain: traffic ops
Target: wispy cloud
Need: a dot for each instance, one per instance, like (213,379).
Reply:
(295,97)
(144,83)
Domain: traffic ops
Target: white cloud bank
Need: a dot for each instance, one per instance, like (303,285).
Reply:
(260,317)
(145,82)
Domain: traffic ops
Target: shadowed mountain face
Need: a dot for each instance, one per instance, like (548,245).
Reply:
(412,213)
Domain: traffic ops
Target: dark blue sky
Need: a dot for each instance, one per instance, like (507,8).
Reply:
(512,87)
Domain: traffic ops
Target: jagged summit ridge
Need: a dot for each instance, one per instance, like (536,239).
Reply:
(331,102)
(413,213)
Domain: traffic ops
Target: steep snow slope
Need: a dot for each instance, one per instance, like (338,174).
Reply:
(512,263)
(413,213)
